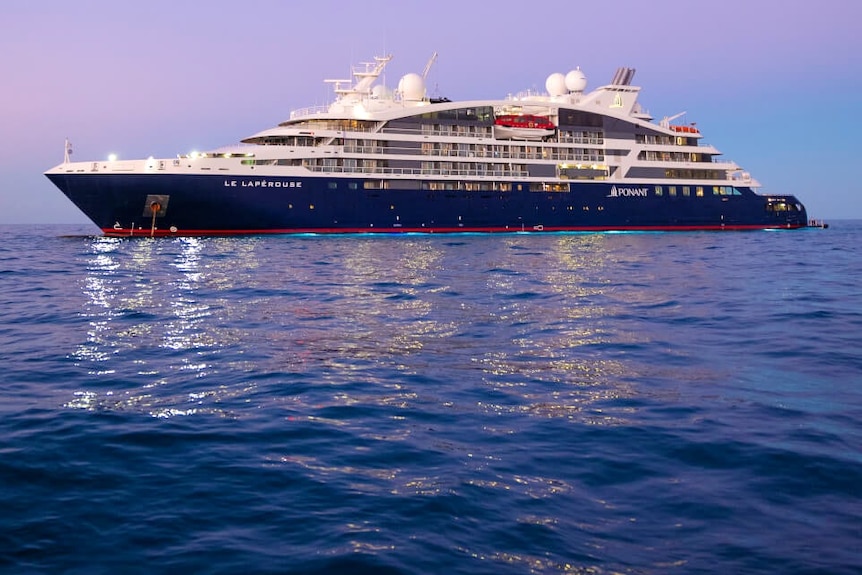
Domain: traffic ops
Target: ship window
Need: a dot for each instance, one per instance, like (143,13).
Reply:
(333,185)
(659,191)
(699,191)
(352,185)
(686,191)
(672,190)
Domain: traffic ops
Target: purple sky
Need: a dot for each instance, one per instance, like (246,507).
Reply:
(775,85)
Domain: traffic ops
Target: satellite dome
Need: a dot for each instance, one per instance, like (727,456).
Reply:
(381,92)
(412,87)
(576,81)
(556,84)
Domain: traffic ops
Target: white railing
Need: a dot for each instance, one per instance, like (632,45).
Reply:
(419,171)
(309,111)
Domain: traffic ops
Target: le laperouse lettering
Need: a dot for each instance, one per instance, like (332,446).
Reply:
(261,184)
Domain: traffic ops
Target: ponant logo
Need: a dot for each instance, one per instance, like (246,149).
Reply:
(627,192)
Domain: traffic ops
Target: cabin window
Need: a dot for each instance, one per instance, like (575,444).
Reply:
(781,207)
(699,191)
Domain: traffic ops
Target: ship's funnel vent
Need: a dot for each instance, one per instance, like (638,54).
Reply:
(623,77)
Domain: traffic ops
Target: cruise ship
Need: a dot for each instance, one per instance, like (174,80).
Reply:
(381,160)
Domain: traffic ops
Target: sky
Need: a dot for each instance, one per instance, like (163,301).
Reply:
(775,85)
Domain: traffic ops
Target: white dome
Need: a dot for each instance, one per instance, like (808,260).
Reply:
(381,92)
(412,87)
(556,84)
(576,81)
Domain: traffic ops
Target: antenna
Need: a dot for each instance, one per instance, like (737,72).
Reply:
(68,151)
(429,64)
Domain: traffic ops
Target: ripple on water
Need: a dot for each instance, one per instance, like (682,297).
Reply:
(588,403)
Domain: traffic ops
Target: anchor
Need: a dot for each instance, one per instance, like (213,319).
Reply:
(155,206)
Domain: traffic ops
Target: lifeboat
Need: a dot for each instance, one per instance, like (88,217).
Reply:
(523,127)
(685,129)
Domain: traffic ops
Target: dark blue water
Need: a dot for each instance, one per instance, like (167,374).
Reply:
(589,403)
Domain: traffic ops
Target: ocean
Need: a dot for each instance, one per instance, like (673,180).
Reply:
(608,403)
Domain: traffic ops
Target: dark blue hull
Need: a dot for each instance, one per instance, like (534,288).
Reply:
(125,204)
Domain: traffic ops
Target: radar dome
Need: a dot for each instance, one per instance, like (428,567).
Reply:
(381,92)
(412,87)
(556,84)
(576,81)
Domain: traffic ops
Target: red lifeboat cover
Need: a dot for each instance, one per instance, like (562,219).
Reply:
(525,121)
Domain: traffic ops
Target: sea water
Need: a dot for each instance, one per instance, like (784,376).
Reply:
(518,403)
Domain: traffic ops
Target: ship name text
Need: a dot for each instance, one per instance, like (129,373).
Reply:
(262,184)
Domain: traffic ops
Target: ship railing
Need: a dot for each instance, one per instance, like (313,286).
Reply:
(448,131)
(681,158)
(420,171)
(574,140)
(483,132)
(309,111)
(738,175)
(544,154)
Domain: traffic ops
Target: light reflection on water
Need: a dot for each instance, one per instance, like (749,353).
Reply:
(147,295)
(194,320)
(554,395)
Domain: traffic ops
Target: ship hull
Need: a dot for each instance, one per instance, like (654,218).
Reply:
(225,204)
